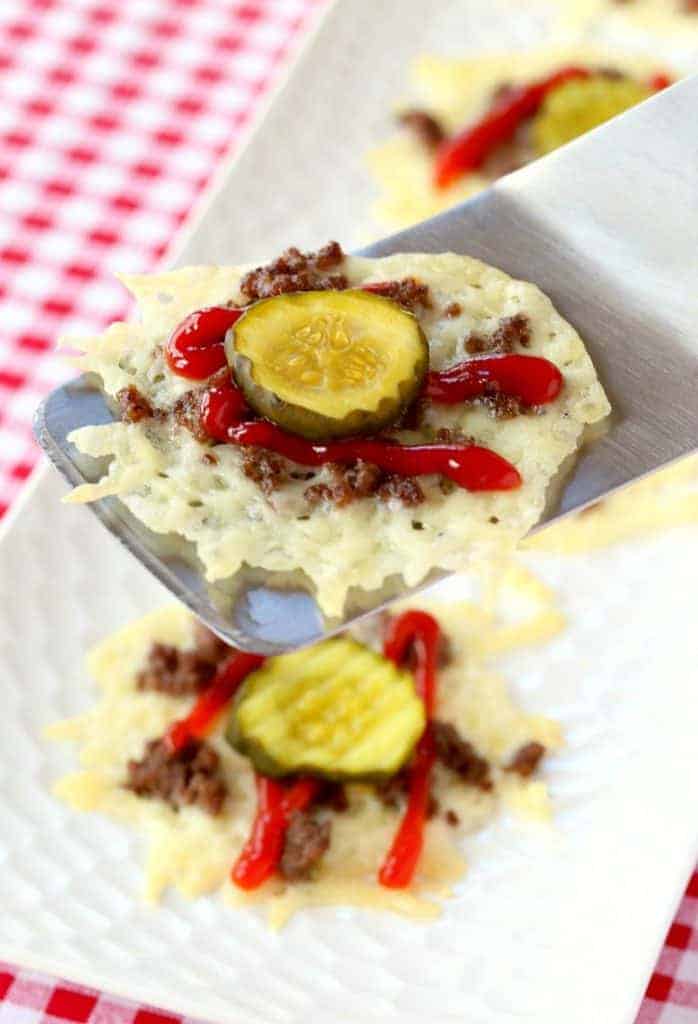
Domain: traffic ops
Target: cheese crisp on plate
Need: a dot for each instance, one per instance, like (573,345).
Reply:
(504,390)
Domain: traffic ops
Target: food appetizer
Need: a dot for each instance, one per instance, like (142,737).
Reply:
(345,773)
(353,418)
(474,120)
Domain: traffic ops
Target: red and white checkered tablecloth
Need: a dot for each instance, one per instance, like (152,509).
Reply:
(113,116)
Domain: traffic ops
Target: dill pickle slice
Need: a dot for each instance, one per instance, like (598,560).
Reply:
(338,709)
(582,104)
(328,364)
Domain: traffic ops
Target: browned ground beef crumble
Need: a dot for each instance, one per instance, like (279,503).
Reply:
(408,292)
(424,127)
(174,672)
(189,777)
(460,756)
(296,271)
(510,332)
(267,469)
(133,406)
(526,759)
(178,672)
(306,840)
(362,480)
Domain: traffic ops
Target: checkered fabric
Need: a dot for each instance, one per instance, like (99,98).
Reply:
(113,116)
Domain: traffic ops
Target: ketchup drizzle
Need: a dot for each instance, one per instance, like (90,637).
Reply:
(469,466)
(195,347)
(212,701)
(276,804)
(533,380)
(419,631)
(222,406)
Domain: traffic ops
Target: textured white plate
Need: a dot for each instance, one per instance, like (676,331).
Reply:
(547,927)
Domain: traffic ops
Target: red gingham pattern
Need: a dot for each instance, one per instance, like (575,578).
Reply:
(113,115)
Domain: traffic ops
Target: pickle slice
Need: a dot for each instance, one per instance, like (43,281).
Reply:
(328,364)
(337,709)
(582,104)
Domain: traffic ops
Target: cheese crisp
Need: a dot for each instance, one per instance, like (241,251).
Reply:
(457,92)
(168,478)
(193,851)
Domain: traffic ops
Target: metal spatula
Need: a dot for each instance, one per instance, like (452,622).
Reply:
(608,228)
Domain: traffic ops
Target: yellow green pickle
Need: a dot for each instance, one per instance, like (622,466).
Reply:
(338,710)
(328,364)
(579,105)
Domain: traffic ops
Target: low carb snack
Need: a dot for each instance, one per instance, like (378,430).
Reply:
(248,457)
(156,753)
(473,120)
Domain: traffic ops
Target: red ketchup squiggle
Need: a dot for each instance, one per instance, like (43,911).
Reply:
(470,148)
(276,804)
(195,348)
(533,380)
(469,466)
(222,406)
(420,632)
(212,701)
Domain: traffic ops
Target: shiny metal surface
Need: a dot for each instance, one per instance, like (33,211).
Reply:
(608,228)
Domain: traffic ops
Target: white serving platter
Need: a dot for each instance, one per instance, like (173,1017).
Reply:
(548,926)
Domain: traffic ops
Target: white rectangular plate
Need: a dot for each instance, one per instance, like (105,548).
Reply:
(547,927)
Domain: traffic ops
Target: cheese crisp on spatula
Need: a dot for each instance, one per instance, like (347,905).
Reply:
(354,418)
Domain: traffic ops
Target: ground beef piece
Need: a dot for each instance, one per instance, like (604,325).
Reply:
(363,480)
(405,488)
(476,343)
(452,818)
(614,74)
(187,413)
(295,271)
(191,776)
(453,309)
(187,409)
(210,459)
(267,469)
(179,672)
(500,406)
(526,759)
(347,483)
(408,292)
(510,332)
(133,405)
(175,672)
(304,844)
(460,756)
(445,654)
(423,126)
